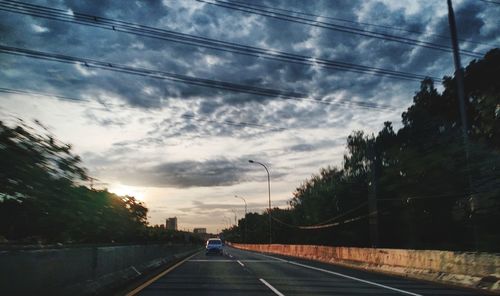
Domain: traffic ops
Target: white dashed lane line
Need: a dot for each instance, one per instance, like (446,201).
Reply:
(272,288)
(344,276)
(240,263)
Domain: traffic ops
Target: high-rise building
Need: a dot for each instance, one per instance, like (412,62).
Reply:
(171,223)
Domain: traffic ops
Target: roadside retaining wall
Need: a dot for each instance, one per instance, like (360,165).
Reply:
(81,270)
(473,270)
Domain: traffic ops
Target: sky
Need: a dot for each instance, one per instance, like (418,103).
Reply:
(183,148)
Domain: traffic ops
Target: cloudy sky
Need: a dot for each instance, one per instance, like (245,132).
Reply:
(180,138)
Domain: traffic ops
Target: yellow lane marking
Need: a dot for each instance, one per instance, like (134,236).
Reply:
(149,282)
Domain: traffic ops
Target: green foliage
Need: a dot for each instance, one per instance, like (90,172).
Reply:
(428,195)
(42,198)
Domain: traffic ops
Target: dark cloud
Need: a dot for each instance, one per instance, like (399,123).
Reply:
(210,109)
(214,22)
(176,174)
(308,146)
(202,207)
(104,120)
(302,148)
(219,172)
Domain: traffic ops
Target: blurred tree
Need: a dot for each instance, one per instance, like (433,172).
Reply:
(42,198)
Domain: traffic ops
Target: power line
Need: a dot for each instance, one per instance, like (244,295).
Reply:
(437,196)
(330,225)
(381,34)
(338,223)
(336,27)
(236,123)
(224,122)
(192,40)
(32,93)
(267,53)
(386,27)
(322,224)
(216,84)
(345,213)
(490,1)
(313,227)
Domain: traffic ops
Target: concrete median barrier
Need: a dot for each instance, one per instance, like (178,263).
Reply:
(472,270)
(81,270)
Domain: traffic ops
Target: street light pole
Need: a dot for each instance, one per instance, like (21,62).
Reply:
(245,233)
(234,212)
(269,192)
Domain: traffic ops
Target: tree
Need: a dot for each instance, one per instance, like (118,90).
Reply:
(428,195)
(42,199)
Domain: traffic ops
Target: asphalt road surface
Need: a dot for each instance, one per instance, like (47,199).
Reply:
(240,272)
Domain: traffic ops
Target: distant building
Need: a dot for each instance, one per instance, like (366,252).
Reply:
(200,230)
(171,223)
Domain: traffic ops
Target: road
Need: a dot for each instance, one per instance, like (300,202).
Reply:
(248,273)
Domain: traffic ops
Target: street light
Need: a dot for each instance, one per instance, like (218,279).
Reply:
(234,212)
(269,192)
(245,233)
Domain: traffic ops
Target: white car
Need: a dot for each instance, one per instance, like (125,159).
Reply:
(214,246)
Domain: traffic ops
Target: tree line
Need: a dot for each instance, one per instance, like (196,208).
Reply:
(410,188)
(43,197)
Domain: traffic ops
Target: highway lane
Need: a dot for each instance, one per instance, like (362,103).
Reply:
(248,273)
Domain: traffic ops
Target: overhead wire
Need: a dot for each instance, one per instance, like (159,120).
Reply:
(323,224)
(339,28)
(224,122)
(385,27)
(330,225)
(338,223)
(33,93)
(490,1)
(192,40)
(216,84)
(95,18)
(344,214)
(437,196)
(235,123)
(357,218)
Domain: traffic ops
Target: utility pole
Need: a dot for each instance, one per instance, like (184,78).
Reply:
(459,78)
(372,197)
